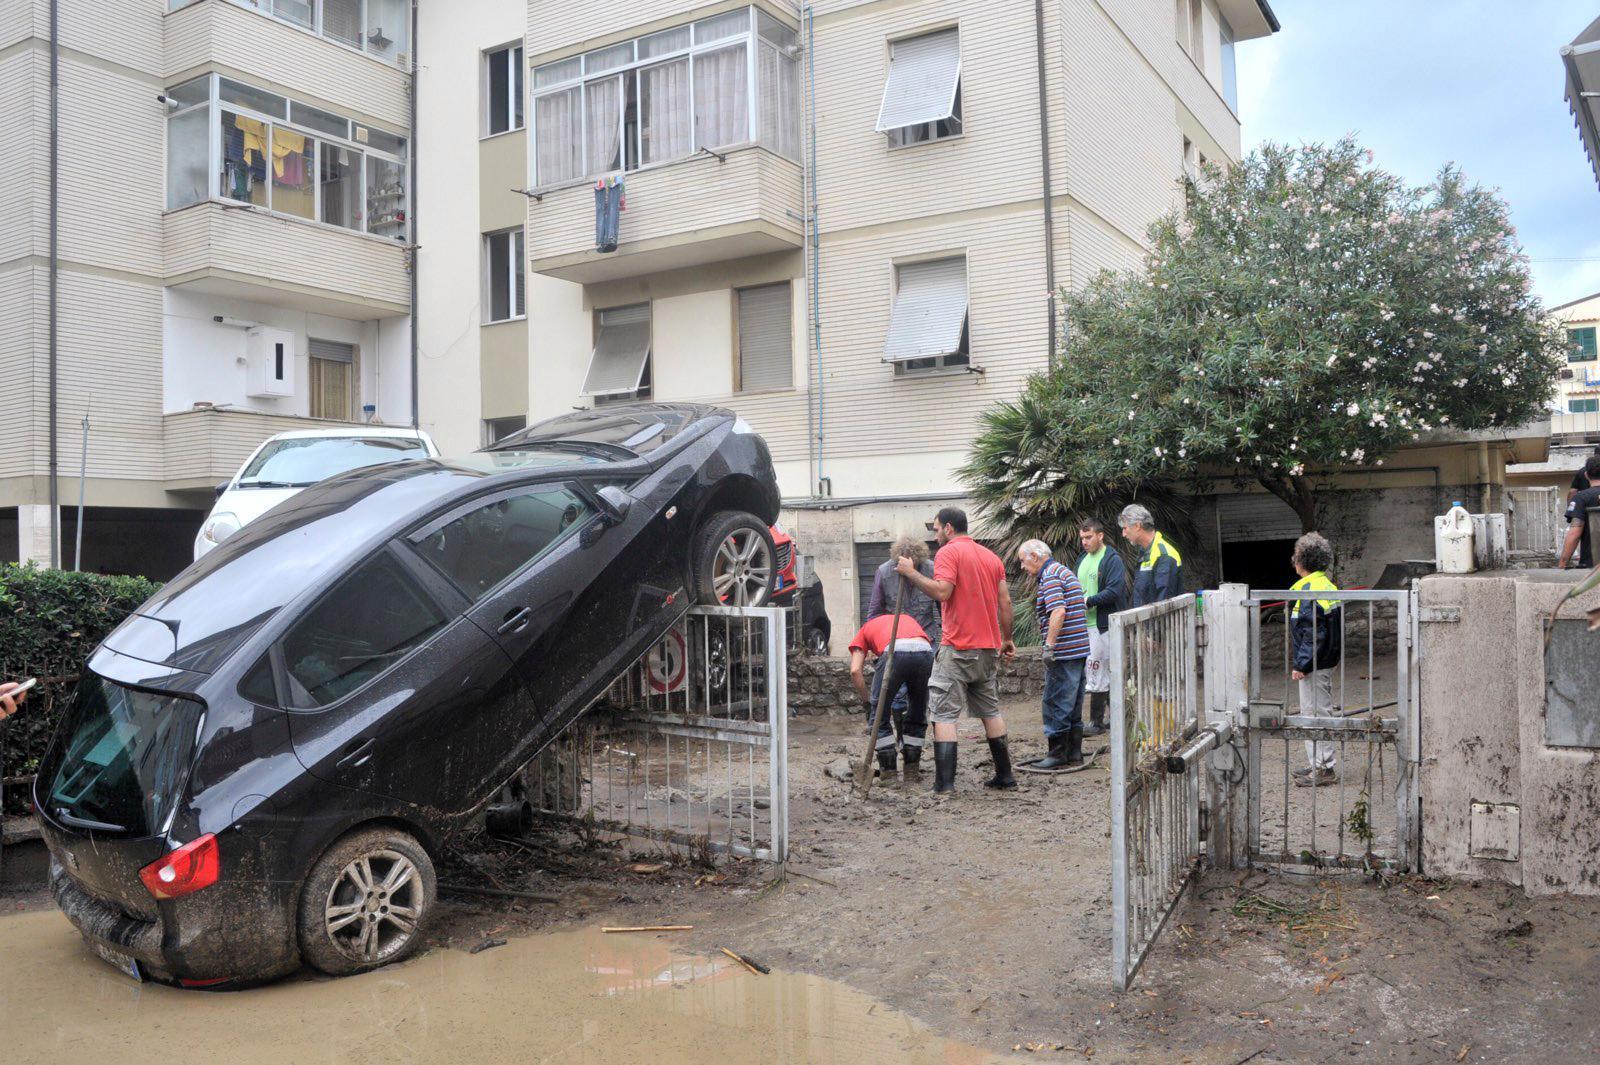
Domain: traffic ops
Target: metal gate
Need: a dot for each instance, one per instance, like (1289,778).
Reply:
(1360,713)
(1155,812)
(690,746)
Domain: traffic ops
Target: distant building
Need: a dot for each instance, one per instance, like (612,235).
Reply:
(1576,416)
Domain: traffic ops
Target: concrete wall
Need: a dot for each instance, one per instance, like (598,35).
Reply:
(1483,739)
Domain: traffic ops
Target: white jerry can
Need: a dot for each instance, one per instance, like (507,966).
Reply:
(1453,541)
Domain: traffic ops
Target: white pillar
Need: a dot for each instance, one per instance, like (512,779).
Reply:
(1227,661)
(33,533)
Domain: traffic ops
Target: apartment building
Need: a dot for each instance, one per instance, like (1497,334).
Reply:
(844,219)
(229,257)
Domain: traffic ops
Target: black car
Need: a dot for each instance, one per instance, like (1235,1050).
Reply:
(260,765)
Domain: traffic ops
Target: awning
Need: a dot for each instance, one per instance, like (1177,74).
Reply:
(1582,60)
(620,352)
(924,74)
(930,310)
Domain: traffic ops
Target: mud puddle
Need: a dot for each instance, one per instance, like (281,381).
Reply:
(578,996)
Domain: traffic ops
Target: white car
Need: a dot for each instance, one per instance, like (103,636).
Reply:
(288,462)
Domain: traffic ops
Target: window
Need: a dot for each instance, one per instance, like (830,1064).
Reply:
(333,380)
(1583,406)
(619,369)
(481,549)
(377,27)
(370,621)
(928,318)
(503,273)
(1582,344)
(502,90)
(1191,160)
(1230,67)
(285,156)
(922,94)
(668,95)
(497,429)
(766,337)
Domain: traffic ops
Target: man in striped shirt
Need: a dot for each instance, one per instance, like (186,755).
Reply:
(1064,635)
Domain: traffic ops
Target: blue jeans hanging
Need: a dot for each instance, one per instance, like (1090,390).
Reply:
(607,212)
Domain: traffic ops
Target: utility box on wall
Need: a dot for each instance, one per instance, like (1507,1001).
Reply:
(1495,832)
(269,362)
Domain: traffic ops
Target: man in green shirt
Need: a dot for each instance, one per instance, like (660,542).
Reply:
(1105,591)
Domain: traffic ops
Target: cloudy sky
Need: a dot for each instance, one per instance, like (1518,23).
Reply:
(1426,82)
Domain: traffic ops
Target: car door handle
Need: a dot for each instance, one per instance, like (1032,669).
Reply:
(516,621)
(356,754)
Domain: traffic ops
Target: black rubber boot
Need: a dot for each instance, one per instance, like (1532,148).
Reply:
(944,766)
(911,757)
(886,760)
(1058,753)
(1001,752)
(1098,701)
(1074,746)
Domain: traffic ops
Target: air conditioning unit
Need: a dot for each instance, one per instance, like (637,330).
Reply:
(269,362)
(1566,375)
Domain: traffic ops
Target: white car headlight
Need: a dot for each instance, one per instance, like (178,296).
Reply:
(219,527)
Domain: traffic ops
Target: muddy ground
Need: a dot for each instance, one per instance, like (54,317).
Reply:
(986,915)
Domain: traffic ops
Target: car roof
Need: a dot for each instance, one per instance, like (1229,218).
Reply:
(392,431)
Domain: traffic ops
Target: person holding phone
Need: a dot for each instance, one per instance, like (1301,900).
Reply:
(11,695)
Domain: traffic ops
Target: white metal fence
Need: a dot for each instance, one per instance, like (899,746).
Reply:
(690,745)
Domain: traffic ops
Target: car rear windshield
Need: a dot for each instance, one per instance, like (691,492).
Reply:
(301,461)
(120,758)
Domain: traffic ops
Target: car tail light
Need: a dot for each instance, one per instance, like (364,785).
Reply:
(186,870)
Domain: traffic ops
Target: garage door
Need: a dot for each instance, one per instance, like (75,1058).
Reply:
(1246,518)
(868,558)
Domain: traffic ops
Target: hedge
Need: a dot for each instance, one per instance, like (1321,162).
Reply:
(50,621)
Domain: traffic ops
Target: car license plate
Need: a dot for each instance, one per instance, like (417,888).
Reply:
(117,960)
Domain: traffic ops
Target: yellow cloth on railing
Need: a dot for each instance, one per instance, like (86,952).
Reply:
(255,136)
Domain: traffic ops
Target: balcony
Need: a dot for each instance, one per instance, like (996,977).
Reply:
(688,213)
(206,446)
(247,253)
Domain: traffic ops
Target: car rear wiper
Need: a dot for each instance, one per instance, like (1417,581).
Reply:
(71,819)
(276,484)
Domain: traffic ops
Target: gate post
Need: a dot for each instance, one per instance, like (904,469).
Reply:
(1227,687)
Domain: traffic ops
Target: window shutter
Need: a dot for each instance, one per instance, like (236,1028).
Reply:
(930,310)
(332,350)
(1249,517)
(924,74)
(620,351)
(765,337)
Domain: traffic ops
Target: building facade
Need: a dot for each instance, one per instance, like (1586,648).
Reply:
(1577,402)
(231,253)
(843,219)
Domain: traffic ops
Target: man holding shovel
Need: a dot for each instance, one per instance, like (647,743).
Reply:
(906,670)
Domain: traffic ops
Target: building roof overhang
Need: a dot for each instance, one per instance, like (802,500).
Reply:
(1582,61)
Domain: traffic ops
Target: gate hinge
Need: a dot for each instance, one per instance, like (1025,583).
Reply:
(1441,615)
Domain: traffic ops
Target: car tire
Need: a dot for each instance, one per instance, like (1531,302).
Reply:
(816,641)
(345,929)
(735,562)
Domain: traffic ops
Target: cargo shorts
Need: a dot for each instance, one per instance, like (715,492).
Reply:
(964,680)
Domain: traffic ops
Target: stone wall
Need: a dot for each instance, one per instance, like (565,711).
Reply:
(822,685)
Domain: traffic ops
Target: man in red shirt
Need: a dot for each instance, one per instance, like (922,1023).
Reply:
(969,581)
(913,662)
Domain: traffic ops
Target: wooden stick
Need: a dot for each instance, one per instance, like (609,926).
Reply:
(886,663)
(653,928)
(755,967)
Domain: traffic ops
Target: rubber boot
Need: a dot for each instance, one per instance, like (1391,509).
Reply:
(886,760)
(1001,752)
(911,757)
(1074,746)
(1098,702)
(1058,753)
(944,766)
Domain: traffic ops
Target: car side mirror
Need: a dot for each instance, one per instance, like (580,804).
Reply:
(223,487)
(614,504)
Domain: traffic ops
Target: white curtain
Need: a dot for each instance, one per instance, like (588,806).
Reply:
(602,119)
(721,98)
(559,136)
(664,103)
(777,86)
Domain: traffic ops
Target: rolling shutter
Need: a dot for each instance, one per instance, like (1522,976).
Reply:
(924,74)
(332,350)
(1245,518)
(930,310)
(766,336)
(620,351)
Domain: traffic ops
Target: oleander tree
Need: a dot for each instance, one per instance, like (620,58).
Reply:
(1304,311)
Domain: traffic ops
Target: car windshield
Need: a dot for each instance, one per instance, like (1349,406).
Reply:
(119,758)
(522,458)
(638,430)
(301,461)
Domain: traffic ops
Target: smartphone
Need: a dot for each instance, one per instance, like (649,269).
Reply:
(26,685)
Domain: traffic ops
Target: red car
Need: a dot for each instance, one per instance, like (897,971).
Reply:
(784,582)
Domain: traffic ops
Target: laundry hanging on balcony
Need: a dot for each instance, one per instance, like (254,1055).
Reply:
(609,203)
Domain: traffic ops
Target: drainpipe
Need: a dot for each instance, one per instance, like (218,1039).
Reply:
(810,173)
(55,205)
(411,217)
(1044,161)
(1486,493)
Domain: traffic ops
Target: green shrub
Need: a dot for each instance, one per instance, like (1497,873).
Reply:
(50,621)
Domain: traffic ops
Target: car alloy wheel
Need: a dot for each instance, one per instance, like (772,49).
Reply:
(372,909)
(743,568)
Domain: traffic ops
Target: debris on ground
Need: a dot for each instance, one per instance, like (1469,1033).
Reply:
(488,944)
(756,967)
(650,928)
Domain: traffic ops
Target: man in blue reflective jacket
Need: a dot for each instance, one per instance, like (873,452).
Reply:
(1318,641)
(1160,573)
